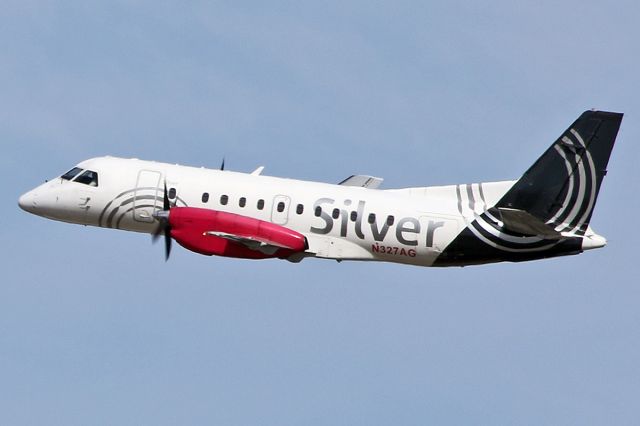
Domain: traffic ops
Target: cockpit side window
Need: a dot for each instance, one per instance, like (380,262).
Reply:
(89,177)
(71,173)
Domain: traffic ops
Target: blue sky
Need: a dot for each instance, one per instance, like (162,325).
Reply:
(96,329)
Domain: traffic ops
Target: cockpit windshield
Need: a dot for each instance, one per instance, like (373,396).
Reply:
(85,177)
(71,173)
(88,178)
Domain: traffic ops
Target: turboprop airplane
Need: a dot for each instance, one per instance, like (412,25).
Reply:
(543,214)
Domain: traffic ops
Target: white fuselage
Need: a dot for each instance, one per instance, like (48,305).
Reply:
(545,213)
(411,225)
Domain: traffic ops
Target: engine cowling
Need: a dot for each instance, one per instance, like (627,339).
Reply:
(199,230)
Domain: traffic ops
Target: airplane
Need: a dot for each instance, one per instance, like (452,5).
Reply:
(545,213)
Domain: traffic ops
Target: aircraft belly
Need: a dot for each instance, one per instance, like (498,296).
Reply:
(336,248)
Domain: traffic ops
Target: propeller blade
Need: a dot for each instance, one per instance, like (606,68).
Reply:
(167,243)
(156,234)
(163,224)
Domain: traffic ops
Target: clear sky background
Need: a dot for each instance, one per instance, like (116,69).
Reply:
(95,328)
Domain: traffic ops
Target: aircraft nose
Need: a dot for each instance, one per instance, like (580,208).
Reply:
(27,202)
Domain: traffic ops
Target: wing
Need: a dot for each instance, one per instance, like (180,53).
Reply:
(254,243)
(362,181)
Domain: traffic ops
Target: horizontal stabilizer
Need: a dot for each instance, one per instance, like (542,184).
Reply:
(524,223)
(362,181)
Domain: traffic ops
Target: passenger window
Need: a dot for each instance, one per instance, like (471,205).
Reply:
(280,207)
(335,213)
(71,173)
(318,211)
(205,197)
(88,178)
(242,202)
(299,208)
(354,216)
(260,204)
(390,220)
(372,217)
(224,199)
(172,193)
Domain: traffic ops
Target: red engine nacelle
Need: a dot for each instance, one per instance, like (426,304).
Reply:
(192,227)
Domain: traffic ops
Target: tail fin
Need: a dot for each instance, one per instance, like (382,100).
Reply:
(561,188)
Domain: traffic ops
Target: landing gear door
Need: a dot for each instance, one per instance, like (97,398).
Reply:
(147,195)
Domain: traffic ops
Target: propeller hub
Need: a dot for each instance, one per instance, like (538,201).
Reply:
(161,215)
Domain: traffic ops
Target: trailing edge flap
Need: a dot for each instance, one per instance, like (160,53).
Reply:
(524,223)
(253,243)
(362,181)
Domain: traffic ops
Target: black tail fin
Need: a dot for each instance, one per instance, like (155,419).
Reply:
(561,188)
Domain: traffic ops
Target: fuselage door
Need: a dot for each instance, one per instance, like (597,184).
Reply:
(280,209)
(147,195)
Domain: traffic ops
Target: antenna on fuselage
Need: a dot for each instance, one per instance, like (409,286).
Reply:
(222,165)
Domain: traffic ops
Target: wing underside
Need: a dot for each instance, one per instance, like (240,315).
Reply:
(252,242)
